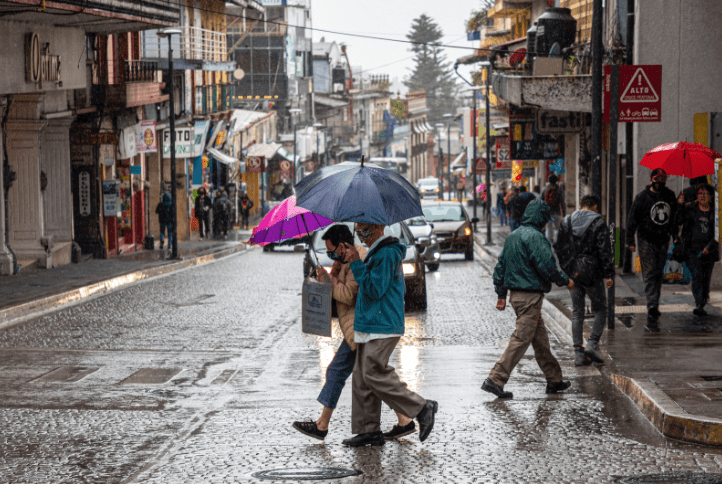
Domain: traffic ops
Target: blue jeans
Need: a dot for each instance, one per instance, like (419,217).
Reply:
(169,228)
(337,373)
(513,225)
(502,216)
(701,275)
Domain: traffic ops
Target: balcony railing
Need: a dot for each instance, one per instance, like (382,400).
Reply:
(140,71)
(193,44)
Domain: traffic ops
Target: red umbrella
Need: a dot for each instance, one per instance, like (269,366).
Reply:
(682,159)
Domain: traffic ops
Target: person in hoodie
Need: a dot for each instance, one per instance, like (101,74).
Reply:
(164,209)
(653,219)
(378,326)
(221,214)
(584,233)
(525,271)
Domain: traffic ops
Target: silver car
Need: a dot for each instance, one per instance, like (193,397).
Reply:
(426,240)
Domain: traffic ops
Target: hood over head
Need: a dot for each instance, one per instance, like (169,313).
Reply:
(166,198)
(537,213)
(581,220)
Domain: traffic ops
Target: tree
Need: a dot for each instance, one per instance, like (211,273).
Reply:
(432,73)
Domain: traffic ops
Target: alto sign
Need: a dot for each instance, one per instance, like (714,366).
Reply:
(640,93)
(560,122)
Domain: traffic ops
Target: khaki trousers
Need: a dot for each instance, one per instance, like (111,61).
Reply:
(530,329)
(374,381)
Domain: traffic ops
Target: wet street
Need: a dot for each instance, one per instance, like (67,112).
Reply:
(196,377)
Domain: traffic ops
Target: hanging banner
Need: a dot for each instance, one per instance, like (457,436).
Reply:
(255,164)
(127,146)
(201,132)
(183,143)
(145,137)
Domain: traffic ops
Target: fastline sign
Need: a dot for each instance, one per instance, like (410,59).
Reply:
(640,93)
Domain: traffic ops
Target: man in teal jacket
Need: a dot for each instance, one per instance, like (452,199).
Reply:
(378,326)
(527,268)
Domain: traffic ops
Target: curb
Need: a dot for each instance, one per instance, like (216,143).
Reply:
(661,411)
(17,314)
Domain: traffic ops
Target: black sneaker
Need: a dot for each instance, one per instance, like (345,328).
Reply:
(310,429)
(426,419)
(558,386)
(398,431)
(580,359)
(699,311)
(374,439)
(491,387)
(593,355)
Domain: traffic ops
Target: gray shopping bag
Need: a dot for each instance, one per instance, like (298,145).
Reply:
(316,312)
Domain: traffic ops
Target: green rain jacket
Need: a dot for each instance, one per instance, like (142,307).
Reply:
(526,262)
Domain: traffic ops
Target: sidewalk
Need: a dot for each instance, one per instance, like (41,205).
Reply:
(35,291)
(674,376)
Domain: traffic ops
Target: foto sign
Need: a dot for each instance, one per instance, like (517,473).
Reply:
(640,93)
(184,138)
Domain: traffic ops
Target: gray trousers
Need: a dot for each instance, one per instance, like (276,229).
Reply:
(374,381)
(530,330)
(598,296)
(652,258)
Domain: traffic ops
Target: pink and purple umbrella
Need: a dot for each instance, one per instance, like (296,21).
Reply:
(287,221)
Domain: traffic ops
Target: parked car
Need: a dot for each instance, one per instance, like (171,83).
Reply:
(428,187)
(422,230)
(452,227)
(413,264)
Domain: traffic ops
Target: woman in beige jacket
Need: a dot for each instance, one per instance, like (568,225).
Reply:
(344,293)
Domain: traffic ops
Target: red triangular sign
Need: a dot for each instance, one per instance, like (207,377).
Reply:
(639,89)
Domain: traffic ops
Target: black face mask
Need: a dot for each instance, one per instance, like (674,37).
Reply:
(335,257)
(658,186)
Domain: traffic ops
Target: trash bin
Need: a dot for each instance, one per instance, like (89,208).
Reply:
(149,242)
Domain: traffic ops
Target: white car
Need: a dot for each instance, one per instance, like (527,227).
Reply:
(428,187)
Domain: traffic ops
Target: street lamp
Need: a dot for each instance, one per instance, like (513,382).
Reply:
(448,117)
(162,33)
(318,155)
(440,172)
(293,112)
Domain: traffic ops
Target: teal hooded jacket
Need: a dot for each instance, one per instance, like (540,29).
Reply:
(380,300)
(526,262)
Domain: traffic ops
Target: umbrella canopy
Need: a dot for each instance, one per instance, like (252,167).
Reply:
(358,192)
(682,159)
(286,221)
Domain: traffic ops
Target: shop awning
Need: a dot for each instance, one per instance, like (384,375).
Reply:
(329,102)
(266,150)
(222,157)
(284,153)
(459,161)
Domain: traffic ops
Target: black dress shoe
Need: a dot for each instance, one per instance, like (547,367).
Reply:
(593,355)
(558,386)
(369,438)
(426,419)
(699,311)
(491,387)
(310,429)
(399,431)
(653,313)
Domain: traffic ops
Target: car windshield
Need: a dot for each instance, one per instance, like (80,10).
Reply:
(416,222)
(443,213)
(394,230)
(428,183)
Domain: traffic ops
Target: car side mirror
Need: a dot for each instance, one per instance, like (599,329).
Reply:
(475,220)
(300,247)
(423,241)
(431,225)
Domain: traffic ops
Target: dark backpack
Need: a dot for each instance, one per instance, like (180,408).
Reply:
(552,198)
(582,268)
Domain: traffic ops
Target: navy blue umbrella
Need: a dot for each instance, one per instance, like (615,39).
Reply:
(358,192)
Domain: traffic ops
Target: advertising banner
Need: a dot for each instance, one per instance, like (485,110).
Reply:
(145,136)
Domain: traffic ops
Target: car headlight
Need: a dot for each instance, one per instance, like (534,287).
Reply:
(467,231)
(434,240)
(437,189)
(408,268)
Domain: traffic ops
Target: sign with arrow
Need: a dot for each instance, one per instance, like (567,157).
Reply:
(640,93)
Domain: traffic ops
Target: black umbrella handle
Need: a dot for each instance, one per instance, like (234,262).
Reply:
(318,263)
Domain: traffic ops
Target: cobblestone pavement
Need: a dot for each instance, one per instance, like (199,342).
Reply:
(196,377)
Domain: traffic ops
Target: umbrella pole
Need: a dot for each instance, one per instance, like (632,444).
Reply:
(310,248)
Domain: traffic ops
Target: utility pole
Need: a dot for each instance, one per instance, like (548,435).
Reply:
(597,53)
(612,211)
(473,156)
(488,160)
(629,140)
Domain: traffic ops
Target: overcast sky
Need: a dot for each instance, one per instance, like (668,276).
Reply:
(391,19)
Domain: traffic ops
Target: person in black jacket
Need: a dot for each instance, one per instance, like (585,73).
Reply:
(653,218)
(221,214)
(698,235)
(203,213)
(517,206)
(688,197)
(164,209)
(584,233)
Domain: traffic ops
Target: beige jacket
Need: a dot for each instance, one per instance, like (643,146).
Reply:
(344,292)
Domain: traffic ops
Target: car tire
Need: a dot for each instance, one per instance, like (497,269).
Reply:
(433,267)
(469,254)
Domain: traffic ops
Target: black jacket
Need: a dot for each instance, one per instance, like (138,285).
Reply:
(686,218)
(202,206)
(517,205)
(595,241)
(653,216)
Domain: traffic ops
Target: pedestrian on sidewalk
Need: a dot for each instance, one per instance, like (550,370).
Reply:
(653,218)
(164,209)
(526,269)
(501,205)
(584,251)
(203,213)
(246,206)
(344,292)
(378,326)
(553,195)
(221,214)
(517,206)
(700,247)
(688,197)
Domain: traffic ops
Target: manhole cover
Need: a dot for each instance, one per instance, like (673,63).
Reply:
(674,478)
(308,474)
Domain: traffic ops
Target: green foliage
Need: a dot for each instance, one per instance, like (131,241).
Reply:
(399,109)
(432,73)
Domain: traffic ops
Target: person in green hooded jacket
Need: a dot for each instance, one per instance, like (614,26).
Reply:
(526,270)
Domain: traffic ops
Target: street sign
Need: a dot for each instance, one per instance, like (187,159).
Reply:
(640,93)
(502,149)
(480,166)
(255,164)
